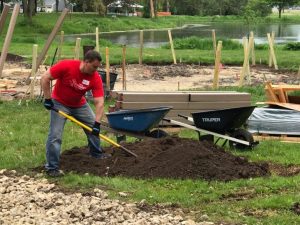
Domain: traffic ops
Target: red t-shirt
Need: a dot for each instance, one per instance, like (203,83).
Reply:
(71,84)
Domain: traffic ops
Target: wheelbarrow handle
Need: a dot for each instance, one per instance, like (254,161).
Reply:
(71,118)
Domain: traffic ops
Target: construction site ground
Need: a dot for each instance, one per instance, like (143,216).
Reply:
(152,77)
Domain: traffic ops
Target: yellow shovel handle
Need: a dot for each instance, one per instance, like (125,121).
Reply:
(90,129)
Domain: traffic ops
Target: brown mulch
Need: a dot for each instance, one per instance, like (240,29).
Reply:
(170,157)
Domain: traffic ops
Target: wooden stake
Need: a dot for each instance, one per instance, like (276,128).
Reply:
(217,65)
(245,69)
(77,48)
(214,41)
(33,70)
(61,42)
(124,67)
(97,40)
(172,46)
(3,17)
(272,52)
(141,47)
(299,72)
(252,47)
(107,69)
(270,55)
(51,37)
(8,37)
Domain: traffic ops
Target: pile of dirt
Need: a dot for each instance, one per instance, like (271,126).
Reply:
(170,157)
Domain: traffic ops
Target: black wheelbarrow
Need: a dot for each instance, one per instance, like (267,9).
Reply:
(137,123)
(225,123)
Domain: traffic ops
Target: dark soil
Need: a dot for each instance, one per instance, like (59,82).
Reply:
(170,157)
(296,208)
(14,58)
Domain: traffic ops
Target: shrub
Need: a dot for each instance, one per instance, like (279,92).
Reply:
(204,44)
(292,46)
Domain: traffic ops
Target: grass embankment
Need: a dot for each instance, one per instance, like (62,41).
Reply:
(24,128)
(37,33)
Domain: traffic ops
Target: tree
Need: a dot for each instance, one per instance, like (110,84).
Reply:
(28,9)
(281,4)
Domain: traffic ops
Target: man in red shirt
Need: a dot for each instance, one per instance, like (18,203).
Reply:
(73,79)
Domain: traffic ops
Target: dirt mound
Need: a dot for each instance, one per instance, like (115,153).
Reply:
(170,157)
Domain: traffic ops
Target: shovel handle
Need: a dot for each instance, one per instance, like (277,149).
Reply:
(90,129)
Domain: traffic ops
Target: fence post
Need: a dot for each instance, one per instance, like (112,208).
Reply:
(141,47)
(271,41)
(217,65)
(124,67)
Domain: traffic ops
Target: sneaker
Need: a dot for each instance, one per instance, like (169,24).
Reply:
(101,156)
(55,173)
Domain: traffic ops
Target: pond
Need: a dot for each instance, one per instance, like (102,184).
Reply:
(155,38)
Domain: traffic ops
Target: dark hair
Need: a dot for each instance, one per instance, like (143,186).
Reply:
(92,55)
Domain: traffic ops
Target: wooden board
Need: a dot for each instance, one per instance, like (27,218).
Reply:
(183,105)
(286,105)
(151,97)
(218,97)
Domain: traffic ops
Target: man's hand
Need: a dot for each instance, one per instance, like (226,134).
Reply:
(96,129)
(48,103)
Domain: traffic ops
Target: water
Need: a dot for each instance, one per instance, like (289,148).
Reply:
(155,38)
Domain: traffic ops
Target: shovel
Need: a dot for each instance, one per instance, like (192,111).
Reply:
(90,129)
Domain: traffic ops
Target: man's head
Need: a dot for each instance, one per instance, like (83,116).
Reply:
(91,62)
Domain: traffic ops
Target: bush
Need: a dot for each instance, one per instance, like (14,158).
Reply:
(203,44)
(292,46)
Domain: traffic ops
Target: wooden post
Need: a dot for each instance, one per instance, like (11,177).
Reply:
(299,72)
(107,69)
(214,41)
(97,39)
(51,37)
(172,46)
(8,37)
(124,67)
(61,42)
(33,70)
(3,17)
(141,47)
(217,65)
(152,9)
(77,48)
(252,47)
(245,68)
(272,52)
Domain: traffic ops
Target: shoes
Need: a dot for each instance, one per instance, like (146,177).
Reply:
(101,156)
(55,173)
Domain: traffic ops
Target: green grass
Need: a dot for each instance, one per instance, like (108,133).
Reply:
(268,200)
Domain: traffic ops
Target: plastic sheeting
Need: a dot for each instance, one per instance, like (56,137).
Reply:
(274,121)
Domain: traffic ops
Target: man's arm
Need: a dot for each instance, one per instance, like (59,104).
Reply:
(45,83)
(99,108)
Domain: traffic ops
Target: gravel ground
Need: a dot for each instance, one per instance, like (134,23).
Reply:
(27,200)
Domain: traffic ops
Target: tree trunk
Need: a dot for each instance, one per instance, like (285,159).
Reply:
(2,5)
(56,5)
(279,10)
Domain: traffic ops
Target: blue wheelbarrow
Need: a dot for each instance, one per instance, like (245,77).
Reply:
(137,123)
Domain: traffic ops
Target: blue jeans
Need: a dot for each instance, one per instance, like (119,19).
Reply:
(53,146)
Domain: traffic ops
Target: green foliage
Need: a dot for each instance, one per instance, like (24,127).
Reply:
(204,44)
(292,46)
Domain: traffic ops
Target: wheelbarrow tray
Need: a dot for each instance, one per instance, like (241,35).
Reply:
(222,121)
(137,121)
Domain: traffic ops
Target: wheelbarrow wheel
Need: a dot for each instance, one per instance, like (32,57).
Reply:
(244,136)
(157,133)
